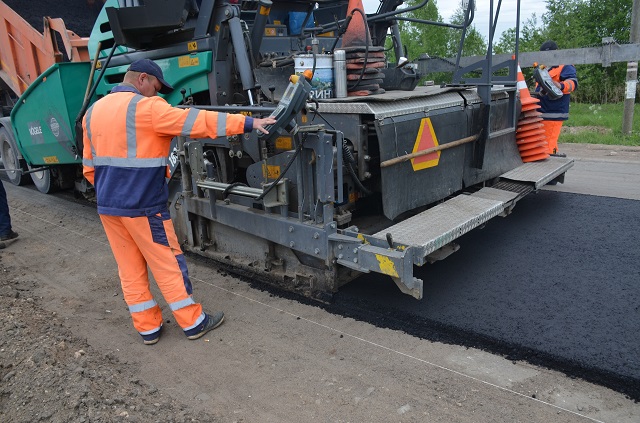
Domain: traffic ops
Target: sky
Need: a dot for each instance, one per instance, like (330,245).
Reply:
(481,21)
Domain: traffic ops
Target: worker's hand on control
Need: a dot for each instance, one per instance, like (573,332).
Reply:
(557,84)
(259,124)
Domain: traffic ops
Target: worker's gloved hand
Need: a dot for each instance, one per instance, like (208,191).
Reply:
(259,124)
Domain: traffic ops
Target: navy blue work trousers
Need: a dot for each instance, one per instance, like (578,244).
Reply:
(5,219)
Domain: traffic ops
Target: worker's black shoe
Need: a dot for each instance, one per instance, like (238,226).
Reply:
(152,338)
(10,235)
(209,323)
(3,245)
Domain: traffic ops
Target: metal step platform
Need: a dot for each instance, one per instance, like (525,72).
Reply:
(438,226)
(539,173)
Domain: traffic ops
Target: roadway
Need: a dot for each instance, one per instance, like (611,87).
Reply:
(555,283)
(535,318)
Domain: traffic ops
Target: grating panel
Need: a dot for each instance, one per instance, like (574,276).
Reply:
(382,110)
(521,188)
(438,226)
(539,172)
(496,194)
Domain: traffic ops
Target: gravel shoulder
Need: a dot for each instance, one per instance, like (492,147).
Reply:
(601,152)
(602,170)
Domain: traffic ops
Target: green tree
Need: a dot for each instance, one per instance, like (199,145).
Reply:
(437,41)
(583,23)
(474,43)
(576,24)
(506,43)
(531,37)
(419,38)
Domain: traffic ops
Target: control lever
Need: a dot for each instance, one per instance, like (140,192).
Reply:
(292,102)
(272,89)
(542,77)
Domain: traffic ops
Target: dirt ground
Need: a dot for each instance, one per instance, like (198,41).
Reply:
(50,374)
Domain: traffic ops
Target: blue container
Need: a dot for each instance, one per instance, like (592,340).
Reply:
(296,19)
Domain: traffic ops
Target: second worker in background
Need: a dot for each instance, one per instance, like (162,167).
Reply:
(556,111)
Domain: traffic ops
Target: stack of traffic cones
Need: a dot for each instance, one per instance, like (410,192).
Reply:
(364,61)
(532,143)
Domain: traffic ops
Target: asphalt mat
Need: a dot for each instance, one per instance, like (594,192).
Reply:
(562,294)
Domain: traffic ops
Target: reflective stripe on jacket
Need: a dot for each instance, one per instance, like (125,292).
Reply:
(126,147)
(558,109)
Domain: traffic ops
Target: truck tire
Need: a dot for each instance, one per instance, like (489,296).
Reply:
(55,178)
(10,160)
(42,181)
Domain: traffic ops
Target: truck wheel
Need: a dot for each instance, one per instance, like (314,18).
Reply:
(54,179)
(10,160)
(42,181)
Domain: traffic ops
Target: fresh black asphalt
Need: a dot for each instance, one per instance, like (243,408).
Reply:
(556,283)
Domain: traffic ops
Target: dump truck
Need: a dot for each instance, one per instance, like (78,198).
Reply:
(368,169)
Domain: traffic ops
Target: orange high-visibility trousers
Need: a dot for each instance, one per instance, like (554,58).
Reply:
(151,240)
(552,132)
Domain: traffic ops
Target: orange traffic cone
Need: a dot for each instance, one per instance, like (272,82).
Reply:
(530,138)
(364,61)
(528,102)
(356,33)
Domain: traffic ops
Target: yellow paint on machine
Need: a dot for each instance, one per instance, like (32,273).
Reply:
(192,46)
(264,10)
(51,159)
(426,139)
(188,61)
(386,266)
(270,171)
(284,143)
(363,239)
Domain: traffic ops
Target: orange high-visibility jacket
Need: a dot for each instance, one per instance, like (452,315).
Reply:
(126,147)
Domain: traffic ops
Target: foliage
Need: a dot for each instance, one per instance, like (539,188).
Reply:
(576,24)
(531,37)
(583,23)
(571,23)
(419,38)
(599,124)
(435,40)
(474,43)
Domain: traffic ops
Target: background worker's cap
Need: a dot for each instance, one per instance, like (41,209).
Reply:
(548,45)
(150,67)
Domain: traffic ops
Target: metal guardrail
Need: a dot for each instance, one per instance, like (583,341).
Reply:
(606,54)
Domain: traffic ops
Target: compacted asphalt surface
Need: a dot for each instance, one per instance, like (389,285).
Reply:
(554,283)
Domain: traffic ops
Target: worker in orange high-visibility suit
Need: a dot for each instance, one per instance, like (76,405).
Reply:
(126,143)
(556,111)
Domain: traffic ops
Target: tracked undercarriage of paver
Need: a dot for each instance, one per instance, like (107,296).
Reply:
(367,169)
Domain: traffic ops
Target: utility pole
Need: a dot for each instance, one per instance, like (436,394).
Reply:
(632,72)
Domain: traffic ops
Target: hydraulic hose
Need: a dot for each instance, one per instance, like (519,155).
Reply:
(349,160)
